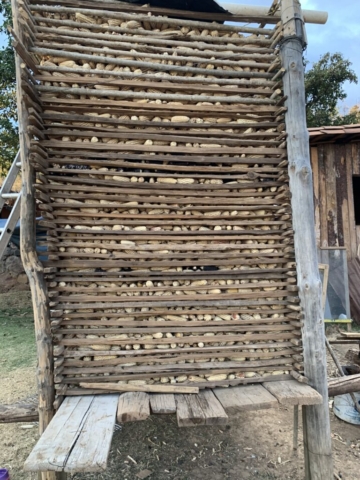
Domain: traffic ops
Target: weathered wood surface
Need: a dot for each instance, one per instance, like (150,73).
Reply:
(32,266)
(133,407)
(141,388)
(344,385)
(162,403)
(252,397)
(317,434)
(334,165)
(201,409)
(87,420)
(19,412)
(354,285)
(293,393)
(91,450)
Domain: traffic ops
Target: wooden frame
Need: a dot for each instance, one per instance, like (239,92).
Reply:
(316,421)
(292,38)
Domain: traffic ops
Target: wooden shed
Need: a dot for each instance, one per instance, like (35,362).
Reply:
(335,159)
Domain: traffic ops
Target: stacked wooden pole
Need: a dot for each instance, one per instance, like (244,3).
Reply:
(159,146)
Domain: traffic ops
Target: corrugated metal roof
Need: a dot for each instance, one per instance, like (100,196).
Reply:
(337,134)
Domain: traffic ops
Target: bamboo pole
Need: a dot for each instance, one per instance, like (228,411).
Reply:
(165,77)
(147,65)
(153,19)
(33,268)
(317,439)
(310,16)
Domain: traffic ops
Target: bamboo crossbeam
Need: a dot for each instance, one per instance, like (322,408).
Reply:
(157,45)
(310,16)
(222,17)
(200,45)
(151,19)
(155,96)
(241,62)
(148,65)
(210,40)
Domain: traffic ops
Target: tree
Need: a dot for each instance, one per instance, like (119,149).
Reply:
(9,139)
(324,84)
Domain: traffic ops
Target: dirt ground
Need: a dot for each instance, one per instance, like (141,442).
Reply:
(252,446)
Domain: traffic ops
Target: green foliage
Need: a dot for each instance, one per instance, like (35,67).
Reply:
(18,348)
(9,141)
(324,84)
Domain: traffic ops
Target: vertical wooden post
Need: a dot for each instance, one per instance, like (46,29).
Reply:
(32,266)
(317,439)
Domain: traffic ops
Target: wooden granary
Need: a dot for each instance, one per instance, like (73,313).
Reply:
(168,154)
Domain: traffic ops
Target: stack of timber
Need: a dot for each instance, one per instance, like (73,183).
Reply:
(159,146)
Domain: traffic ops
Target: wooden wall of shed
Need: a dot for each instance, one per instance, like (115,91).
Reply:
(333,168)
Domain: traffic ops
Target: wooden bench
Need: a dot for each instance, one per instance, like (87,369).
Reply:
(78,439)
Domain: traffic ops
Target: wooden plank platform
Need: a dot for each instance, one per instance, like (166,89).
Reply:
(201,409)
(292,392)
(351,335)
(163,403)
(78,438)
(133,406)
(249,397)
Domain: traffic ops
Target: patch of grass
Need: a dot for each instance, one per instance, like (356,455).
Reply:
(17,338)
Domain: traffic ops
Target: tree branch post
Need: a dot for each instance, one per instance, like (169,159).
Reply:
(317,437)
(32,266)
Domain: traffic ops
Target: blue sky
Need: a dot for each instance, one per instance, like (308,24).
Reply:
(340,34)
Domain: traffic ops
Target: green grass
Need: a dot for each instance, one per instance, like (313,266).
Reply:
(17,340)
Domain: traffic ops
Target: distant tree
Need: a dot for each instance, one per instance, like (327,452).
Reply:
(9,141)
(352,116)
(324,85)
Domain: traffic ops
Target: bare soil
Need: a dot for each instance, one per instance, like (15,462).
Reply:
(256,445)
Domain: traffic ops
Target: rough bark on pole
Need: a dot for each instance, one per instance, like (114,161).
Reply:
(32,266)
(317,438)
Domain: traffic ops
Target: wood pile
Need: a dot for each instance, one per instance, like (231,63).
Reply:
(159,147)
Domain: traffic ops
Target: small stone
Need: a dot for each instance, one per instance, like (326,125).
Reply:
(22,279)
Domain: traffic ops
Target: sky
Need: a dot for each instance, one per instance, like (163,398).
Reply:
(340,34)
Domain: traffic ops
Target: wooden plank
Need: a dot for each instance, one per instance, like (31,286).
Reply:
(293,393)
(331,196)
(92,448)
(162,403)
(133,407)
(189,412)
(315,168)
(202,409)
(52,450)
(352,250)
(213,410)
(251,397)
(343,231)
(323,199)
(141,388)
(350,334)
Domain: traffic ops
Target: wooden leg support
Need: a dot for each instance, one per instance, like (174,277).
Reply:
(52,476)
(296,428)
(316,419)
